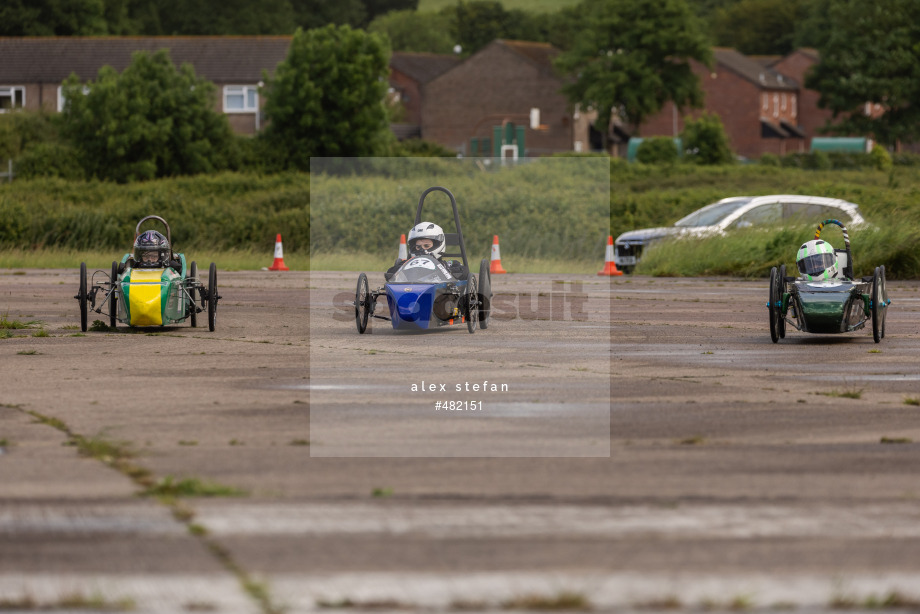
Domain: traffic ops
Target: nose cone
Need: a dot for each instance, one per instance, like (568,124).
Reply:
(410,305)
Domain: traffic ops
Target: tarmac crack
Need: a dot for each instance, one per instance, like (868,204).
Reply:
(120,457)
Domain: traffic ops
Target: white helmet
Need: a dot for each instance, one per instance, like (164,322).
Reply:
(816,260)
(427,230)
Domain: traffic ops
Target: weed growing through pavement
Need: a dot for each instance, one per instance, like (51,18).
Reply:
(170,487)
(912,401)
(299,442)
(6,323)
(41,332)
(98,326)
(565,600)
(696,440)
(382,492)
(896,440)
(28,352)
(850,393)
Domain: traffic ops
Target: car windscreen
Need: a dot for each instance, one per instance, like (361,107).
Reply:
(421,270)
(711,215)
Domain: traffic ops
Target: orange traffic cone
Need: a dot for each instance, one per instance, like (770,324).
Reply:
(610,267)
(278,264)
(496,265)
(403,251)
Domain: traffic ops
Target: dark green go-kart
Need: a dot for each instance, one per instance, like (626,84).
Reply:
(839,305)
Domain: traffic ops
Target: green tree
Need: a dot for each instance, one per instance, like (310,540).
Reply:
(52,18)
(705,140)
(759,27)
(310,14)
(327,96)
(414,31)
(476,23)
(871,55)
(633,56)
(152,120)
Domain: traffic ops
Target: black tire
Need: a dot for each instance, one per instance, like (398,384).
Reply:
(113,297)
(878,311)
(81,296)
(471,309)
(883,296)
(193,291)
(485,294)
(362,303)
(781,289)
(774,310)
(212,297)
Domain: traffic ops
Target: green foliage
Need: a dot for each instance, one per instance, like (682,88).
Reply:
(150,121)
(22,129)
(414,31)
(476,23)
(758,27)
(657,150)
(327,97)
(421,148)
(769,159)
(52,18)
(705,140)
(215,212)
(881,159)
(633,55)
(817,160)
(871,55)
(549,207)
(49,160)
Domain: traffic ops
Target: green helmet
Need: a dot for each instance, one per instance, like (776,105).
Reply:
(816,260)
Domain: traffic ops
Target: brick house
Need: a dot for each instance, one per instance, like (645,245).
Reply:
(759,106)
(33,68)
(409,74)
(498,85)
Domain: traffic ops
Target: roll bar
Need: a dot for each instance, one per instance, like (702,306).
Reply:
(848,271)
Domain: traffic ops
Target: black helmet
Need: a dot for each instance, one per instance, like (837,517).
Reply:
(151,250)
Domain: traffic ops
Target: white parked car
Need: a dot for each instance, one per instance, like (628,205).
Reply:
(738,212)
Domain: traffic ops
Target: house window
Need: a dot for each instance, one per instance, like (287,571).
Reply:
(241,98)
(61,99)
(784,102)
(12,97)
(775,105)
(794,110)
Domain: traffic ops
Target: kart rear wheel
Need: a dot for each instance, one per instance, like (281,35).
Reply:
(774,310)
(113,297)
(471,309)
(193,290)
(362,303)
(81,296)
(212,297)
(878,304)
(781,283)
(485,294)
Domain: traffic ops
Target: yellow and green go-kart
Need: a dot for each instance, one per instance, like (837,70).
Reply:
(160,296)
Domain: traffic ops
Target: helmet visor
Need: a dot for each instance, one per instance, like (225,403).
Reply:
(816,264)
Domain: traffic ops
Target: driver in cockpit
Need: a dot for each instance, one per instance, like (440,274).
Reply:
(428,238)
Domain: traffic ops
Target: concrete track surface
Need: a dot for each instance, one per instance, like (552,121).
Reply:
(734,474)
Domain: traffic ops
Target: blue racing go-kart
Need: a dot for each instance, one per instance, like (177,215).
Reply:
(423,294)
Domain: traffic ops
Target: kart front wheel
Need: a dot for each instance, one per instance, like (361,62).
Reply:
(773,307)
(362,303)
(472,308)
(485,294)
(212,297)
(82,298)
(113,297)
(193,307)
(879,304)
